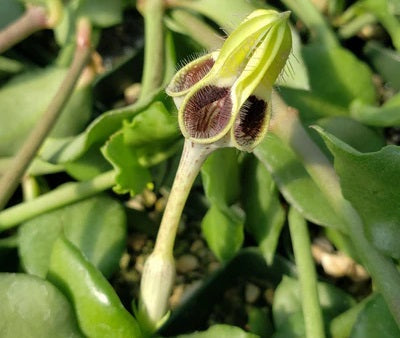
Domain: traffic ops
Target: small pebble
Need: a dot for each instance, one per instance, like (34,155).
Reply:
(213,266)
(139,264)
(269,296)
(137,241)
(124,261)
(196,246)
(176,296)
(187,263)
(251,293)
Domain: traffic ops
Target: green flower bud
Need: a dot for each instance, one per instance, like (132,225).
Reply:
(155,289)
(225,94)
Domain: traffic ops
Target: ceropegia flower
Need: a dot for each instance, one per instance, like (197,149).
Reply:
(223,100)
(225,95)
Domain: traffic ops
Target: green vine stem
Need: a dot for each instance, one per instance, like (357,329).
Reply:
(11,178)
(197,29)
(64,195)
(10,242)
(314,324)
(353,27)
(287,126)
(159,269)
(153,71)
(315,22)
(218,11)
(33,20)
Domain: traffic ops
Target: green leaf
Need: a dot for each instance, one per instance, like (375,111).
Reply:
(337,76)
(259,322)
(386,116)
(294,182)
(293,328)
(101,13)
(10,10)
(310,105)
(97,306)
(370,181)
(287,301)
(97,226)
(25,98)
(70,149)
(341,326)
(223,231)
(264,214)
(9,67)
(354,133)
(223,225)
(130,175)
(220,331)
(375,321)
(386,61)
(87,167)
(220,175)
(32,307)
(148,139)
(153,134)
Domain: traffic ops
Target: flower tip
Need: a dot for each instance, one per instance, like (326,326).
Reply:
(285,15)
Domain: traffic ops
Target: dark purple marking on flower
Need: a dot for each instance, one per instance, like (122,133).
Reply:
(192,75)
(250,121)
(207,112)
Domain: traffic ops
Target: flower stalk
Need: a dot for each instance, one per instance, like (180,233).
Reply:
(223,101)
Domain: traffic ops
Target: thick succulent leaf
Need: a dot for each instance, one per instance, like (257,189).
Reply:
(10,10)
(264,214)
(87,167)
(220,331)
(223,229)
(32,307)
(370,181)
(25,98)
(387,115)
(341,326)
(69,149)
(375,321)
(97,306)
(337,76)
(352,132)
(259,321)
(294,182)
(9,67)
(287,302)
(97,226)
(311,106)
(386,61)
(101,13)
(221,177)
